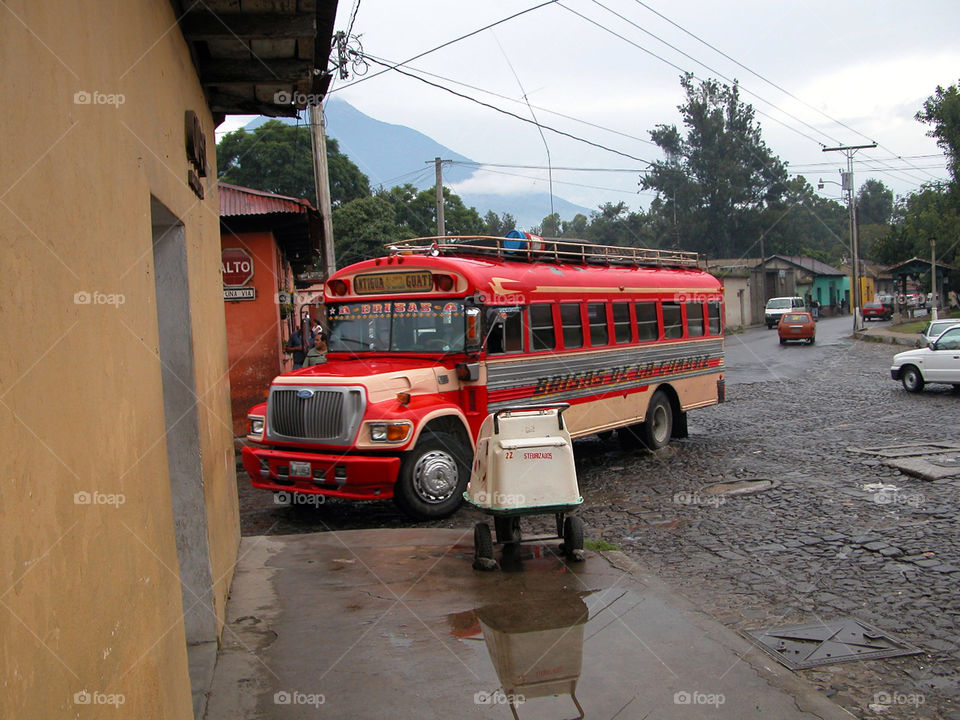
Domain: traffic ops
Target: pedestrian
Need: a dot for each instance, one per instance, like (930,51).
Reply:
(298,345)
(317,355)
(814,308)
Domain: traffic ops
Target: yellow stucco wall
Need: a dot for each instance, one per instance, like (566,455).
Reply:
(90,597)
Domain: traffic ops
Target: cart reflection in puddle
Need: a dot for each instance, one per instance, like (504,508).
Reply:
(535,644)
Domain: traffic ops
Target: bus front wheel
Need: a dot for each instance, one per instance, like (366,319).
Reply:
(433,477)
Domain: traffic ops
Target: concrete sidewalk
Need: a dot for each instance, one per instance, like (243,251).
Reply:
(396,623)
(882,333)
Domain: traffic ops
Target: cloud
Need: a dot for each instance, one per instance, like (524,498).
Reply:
(502,181)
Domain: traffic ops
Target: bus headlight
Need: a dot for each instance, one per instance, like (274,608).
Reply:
(256,423)
(394,432)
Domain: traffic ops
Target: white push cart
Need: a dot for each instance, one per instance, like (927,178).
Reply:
(524,466)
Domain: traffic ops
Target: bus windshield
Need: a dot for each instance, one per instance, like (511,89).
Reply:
(400,326)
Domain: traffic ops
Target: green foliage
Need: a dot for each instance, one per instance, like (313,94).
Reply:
(363,227)
(719,178)
(942,112)
(498,225)
(277,157)
(720,190)
(932,212)
(874,203)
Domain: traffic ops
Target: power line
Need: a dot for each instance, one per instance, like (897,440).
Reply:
(353,17)
(450,42)
(714,70)
(765,79)
(561,182)
(518,102)
(685,71)
(472,163)
(510,114)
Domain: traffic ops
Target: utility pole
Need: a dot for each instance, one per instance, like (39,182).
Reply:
(933,278)
(321,180)
(441,226)
(848,186)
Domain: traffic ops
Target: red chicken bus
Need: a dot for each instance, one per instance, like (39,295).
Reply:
(424,343)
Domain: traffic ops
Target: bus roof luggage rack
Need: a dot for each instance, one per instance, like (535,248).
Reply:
(555,250)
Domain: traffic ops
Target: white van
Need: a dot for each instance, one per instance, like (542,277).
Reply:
(776,307)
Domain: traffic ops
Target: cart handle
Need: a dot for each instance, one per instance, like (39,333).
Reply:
(560,407)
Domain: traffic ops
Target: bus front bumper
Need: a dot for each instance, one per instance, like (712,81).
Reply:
(353,477)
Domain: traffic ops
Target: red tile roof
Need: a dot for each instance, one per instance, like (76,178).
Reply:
(236,200)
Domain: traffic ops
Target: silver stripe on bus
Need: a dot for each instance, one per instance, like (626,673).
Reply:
(507,375)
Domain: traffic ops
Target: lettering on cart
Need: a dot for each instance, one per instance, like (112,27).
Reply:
(618,375)
(538,456)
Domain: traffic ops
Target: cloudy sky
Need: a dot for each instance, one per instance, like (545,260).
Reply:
(819,73)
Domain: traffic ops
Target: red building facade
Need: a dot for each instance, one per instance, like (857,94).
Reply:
(266,240)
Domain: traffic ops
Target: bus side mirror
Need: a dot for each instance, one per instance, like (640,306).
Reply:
(473,337)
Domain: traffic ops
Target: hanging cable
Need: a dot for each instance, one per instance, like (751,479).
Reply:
(513,115)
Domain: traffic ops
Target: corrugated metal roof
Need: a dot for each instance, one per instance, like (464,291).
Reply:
(236,200)
(814,266)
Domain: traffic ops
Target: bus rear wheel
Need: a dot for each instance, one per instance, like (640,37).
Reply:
(657,427)
(655,431)
(433,477)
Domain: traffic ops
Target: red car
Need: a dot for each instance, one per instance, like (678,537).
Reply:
(876,310)
(797,326)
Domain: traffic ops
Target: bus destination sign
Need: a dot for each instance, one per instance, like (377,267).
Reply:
(396,282)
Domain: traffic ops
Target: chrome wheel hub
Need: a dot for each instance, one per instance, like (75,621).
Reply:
(435,476)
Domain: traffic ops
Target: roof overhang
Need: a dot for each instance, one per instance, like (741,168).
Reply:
(257,61)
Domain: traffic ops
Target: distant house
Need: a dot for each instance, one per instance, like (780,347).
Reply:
(736,275)
(910,275)
(811,279)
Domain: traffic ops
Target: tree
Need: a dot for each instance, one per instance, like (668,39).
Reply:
(715,180)
(498,225)
(277,157)
(550,226)
(362,228)
(942,111)
(416,210)
(576,228)
(932,212)
(874,203)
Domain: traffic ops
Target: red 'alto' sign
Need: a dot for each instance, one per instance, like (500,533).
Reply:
(236,266)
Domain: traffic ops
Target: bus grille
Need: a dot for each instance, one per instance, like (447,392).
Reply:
(304,413)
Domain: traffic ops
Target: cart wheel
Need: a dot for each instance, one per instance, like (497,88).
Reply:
(573,537)
(508,529)
(483,548)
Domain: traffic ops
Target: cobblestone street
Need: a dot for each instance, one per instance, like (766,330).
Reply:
(824,542)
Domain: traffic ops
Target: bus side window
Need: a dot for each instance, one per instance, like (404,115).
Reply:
(713,315)
(507,334)
(648,328)
(672,321)
(597,317)
(571,325)
(621,322)
(541,328)
(694,319)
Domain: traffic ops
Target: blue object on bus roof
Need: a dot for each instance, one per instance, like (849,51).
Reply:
(521,236)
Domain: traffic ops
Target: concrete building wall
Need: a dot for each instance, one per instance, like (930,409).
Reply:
(737,301)
(93,128)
